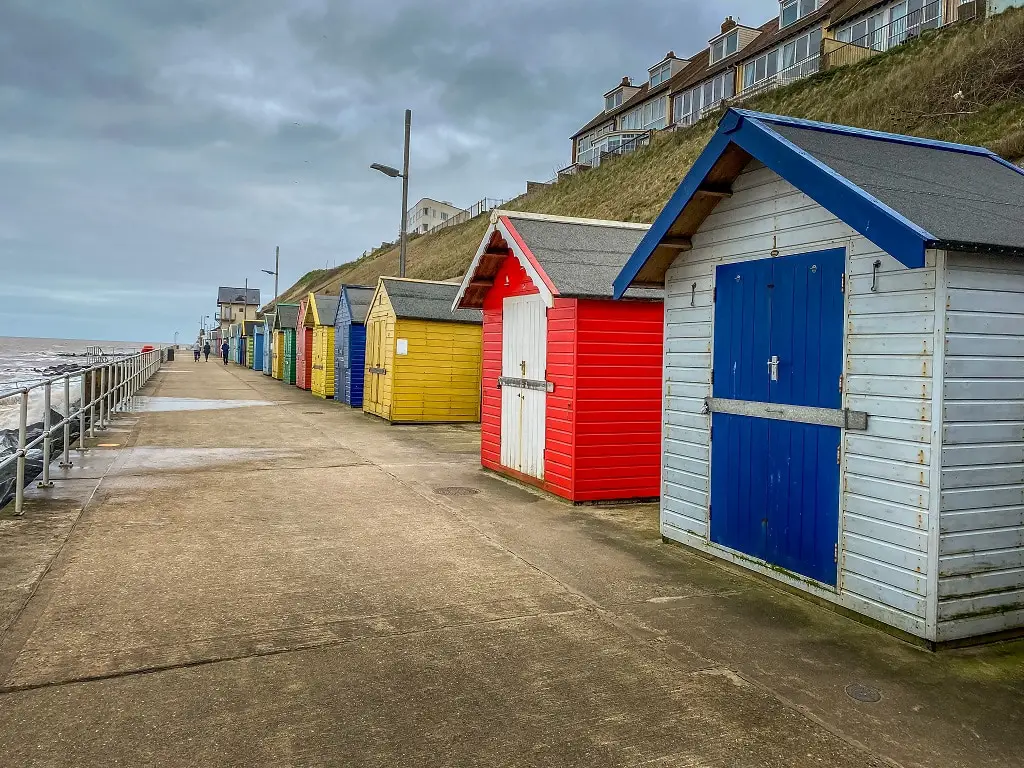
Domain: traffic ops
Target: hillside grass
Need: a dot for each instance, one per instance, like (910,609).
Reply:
(964,83)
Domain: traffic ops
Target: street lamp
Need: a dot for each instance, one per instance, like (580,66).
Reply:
(394,173)
(277,270)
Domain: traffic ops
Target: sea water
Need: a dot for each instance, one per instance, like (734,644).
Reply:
(23,362)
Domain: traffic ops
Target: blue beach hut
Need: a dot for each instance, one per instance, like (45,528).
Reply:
(258,346)
(268,342)
(350,343)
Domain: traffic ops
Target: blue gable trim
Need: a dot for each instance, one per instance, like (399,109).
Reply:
(752,132)
(659,229)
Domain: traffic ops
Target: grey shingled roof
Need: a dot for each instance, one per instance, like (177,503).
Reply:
(287,315)
(326,308)
(359,298)
(582,259)
(959,198)
(237,295)
(419,300)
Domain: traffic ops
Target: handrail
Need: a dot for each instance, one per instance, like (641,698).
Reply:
(118,381)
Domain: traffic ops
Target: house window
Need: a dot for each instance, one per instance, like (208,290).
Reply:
(910,18)
(646,117)
(866,33)
(792,10)
(444,216)
(613,101)
(800,56)
(725,47)
(661,73)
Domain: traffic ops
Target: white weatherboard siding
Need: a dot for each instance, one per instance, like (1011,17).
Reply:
(889,339)
(981,545)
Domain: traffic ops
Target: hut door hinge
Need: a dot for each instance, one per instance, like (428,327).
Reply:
(712,375)
(835,553)
(838,448)
(714,294)
(842,283)
(840,384)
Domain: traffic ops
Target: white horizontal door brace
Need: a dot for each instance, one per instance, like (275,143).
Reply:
(805,414)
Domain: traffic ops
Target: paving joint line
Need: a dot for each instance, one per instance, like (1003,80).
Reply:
(7,690)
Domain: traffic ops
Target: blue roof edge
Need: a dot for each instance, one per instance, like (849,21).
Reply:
(751,131)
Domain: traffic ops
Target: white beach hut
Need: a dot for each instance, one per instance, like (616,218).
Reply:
(844,369)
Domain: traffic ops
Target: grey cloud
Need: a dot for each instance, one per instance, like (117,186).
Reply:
(174,144)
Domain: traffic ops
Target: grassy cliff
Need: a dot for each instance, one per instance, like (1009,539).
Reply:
(964,83)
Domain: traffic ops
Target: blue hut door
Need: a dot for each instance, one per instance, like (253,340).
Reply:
(778,341)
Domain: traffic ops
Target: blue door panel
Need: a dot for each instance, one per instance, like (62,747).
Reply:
(807,328)
(775,483)
(739,497)
(803,494)
(742,324)
(357,362)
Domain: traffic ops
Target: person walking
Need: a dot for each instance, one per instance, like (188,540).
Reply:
(206,352)
(195,351)
(224,351)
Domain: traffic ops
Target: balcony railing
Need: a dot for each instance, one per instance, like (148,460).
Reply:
(895,33)
(791,74)
(612,145)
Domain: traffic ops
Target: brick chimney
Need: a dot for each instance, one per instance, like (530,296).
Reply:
(728,24)
(625,82)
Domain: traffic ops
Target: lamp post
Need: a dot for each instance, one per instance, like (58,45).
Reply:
(394,173)
(277,270)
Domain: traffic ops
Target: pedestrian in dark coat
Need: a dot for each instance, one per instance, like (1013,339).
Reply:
(206,352)
(224,351)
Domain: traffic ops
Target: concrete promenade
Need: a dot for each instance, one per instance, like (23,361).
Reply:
(296,584)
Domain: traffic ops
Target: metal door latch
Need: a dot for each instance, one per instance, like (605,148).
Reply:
(773,368)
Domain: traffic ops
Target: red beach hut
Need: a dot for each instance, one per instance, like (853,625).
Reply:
(571,379)
(303,348)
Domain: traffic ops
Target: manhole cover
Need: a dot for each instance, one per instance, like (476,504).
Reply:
(456,490)
(866,693)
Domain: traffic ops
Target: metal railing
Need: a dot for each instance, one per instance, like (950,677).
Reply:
(481,206)
(783,77)
(898,31)
(108,385)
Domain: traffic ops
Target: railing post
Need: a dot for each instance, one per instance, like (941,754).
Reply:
(93,375)
(81,412)
(103,397)
(65,461)
(47,437)
(19,492)
(112,391)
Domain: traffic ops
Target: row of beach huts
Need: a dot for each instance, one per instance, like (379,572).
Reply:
(814,358)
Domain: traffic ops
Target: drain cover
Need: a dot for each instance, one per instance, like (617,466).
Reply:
(866,693)
(456,490)
(314,413)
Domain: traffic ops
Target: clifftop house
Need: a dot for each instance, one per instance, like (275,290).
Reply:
(236,305)
(740,61)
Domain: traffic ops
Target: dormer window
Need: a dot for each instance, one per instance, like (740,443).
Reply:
(661,73)
(612,101)
(794,10)
(726,46)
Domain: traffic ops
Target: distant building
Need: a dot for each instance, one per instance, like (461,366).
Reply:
(741,61)
(429,213)
(236,305)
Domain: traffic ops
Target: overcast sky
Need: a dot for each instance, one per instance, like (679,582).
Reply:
(151,150)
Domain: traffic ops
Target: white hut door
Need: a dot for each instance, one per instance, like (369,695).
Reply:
(524,384)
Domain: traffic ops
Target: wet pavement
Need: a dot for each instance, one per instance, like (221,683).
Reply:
(282,581)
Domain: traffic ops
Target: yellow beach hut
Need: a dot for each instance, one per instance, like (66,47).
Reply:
(320,312)
(422,359)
